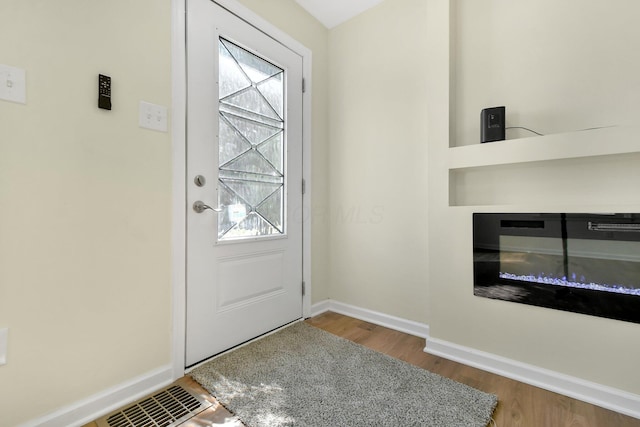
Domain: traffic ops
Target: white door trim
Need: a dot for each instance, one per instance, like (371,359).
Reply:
(178,153)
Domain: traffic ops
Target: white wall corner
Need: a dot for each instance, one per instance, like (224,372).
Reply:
(392,322)
(590,392)
(109,400)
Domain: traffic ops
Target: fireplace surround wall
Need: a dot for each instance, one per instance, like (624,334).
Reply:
(583,263)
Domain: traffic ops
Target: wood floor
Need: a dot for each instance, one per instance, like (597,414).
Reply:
(520,405)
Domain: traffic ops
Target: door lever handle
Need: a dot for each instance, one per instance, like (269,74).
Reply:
(199,206)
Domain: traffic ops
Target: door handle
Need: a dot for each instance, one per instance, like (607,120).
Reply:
(199,206)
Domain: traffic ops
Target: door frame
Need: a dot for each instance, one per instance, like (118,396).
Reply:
(179,178)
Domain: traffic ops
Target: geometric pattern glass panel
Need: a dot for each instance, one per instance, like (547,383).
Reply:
(270,209)
(253,131)
(232,213)
(251,162)
(252,225)
(271,149)
(251,145)
(250,192)
(231,142)
(271,89)
(232,79)
(254,67)
(253,101)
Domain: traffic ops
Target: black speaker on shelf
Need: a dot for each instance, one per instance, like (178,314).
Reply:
(492,124)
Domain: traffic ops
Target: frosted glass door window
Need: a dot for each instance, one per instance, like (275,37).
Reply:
(251,145)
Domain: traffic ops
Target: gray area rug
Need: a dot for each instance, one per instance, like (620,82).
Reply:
(304,376)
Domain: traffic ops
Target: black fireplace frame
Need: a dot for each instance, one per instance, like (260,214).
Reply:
(487,228)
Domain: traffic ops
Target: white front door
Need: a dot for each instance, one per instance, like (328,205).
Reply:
(244,176)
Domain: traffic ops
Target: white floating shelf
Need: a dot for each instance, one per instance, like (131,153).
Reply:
(571,145)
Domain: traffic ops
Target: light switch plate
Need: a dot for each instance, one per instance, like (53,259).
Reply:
(153,116)
(13,84)
(4,333)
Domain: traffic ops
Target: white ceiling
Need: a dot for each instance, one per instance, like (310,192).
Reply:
(335,12)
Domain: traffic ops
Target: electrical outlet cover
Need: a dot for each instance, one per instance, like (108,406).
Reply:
(13,84)
(153,116)
(4,332)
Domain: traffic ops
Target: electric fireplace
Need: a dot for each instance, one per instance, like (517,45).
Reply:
(584,263)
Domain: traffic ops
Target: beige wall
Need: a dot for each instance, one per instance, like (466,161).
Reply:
(389,100)
(85,196)
(554,66)
(378,160)
(84,202)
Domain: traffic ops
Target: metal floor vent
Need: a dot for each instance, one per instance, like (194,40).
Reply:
(169,407)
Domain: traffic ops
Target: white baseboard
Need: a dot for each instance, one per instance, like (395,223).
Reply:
(596,394)
(87,410)
(392,322)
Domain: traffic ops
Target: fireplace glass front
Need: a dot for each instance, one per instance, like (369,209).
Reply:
(584,263)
